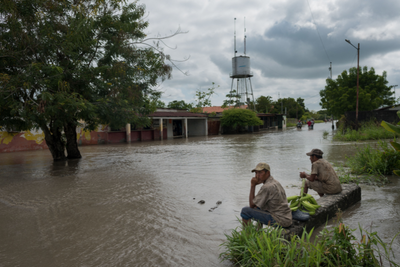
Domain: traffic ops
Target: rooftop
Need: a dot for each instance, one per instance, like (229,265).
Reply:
(219,109)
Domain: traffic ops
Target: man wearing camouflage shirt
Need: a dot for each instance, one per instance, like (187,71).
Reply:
(323,177)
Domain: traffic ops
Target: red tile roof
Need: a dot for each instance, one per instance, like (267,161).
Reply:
(218,109)
(176,114)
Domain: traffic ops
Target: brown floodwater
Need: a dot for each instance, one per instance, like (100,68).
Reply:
(137,204)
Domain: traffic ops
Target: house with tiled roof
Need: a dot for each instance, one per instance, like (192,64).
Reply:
(173,123)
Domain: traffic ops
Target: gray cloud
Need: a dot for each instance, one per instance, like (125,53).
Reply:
(282,41)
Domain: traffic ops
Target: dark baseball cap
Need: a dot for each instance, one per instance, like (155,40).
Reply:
(315,151)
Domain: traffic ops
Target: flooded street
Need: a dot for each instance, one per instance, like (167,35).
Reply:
(137,204)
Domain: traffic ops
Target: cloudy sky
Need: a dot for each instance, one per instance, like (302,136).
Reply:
(290,43)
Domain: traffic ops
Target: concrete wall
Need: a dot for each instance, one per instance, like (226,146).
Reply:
(34,139)
(330,204)
(98,136)
(147,135)
(116,137)
(20,141)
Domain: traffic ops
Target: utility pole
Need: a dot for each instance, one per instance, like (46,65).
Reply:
(394,89)
(358,68)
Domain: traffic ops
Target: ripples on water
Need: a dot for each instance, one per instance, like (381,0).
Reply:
(136,205)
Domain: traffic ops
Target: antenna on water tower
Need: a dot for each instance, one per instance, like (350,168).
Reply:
(241,86)
(234,35)
(244,35)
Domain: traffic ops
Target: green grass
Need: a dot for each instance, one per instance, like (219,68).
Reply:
(367,131)
(369,179)
(289,124)
(247,246)
(379,159)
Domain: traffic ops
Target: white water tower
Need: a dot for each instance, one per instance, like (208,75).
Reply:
(241,74)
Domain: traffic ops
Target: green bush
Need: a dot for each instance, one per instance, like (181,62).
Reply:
(382,159)
(237,117)
(393,129)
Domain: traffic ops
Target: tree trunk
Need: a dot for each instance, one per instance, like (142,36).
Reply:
(72,142)
(54,141)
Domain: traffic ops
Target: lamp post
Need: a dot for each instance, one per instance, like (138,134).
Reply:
(394,89)
(358,67)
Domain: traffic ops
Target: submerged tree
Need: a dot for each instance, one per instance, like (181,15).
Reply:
(67,62)
(339,96)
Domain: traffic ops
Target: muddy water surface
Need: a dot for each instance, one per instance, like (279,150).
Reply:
(137,204)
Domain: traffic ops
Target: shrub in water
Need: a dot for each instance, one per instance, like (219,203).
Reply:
(393,129)
(249,246)
(380,160)
(367,131)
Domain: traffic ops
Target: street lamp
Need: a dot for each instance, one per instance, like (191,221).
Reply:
(358,67)
(394,89)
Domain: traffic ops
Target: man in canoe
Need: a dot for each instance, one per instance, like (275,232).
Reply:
(323,177)
(270,205)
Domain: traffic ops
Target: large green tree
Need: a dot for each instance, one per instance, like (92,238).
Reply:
(339,96)
(63,62)
(264,104)
(181,104)
(294,108)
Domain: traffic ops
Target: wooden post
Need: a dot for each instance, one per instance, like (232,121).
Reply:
(161,129)
(128,133)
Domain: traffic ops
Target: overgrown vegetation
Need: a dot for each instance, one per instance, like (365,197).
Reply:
(247,246)
(368,131)
(346,177)
(237,117)
(377,159)
(393,129)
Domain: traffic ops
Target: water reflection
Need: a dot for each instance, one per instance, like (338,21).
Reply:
(137,204)
(65,168)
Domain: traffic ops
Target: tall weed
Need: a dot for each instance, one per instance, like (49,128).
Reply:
(382,159)
(248,246)
(367,131)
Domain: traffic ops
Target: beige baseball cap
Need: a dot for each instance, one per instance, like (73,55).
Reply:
(261,166)
(315,151)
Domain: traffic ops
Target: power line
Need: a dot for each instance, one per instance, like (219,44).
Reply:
(355,56)
(318,31)
(311,97)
